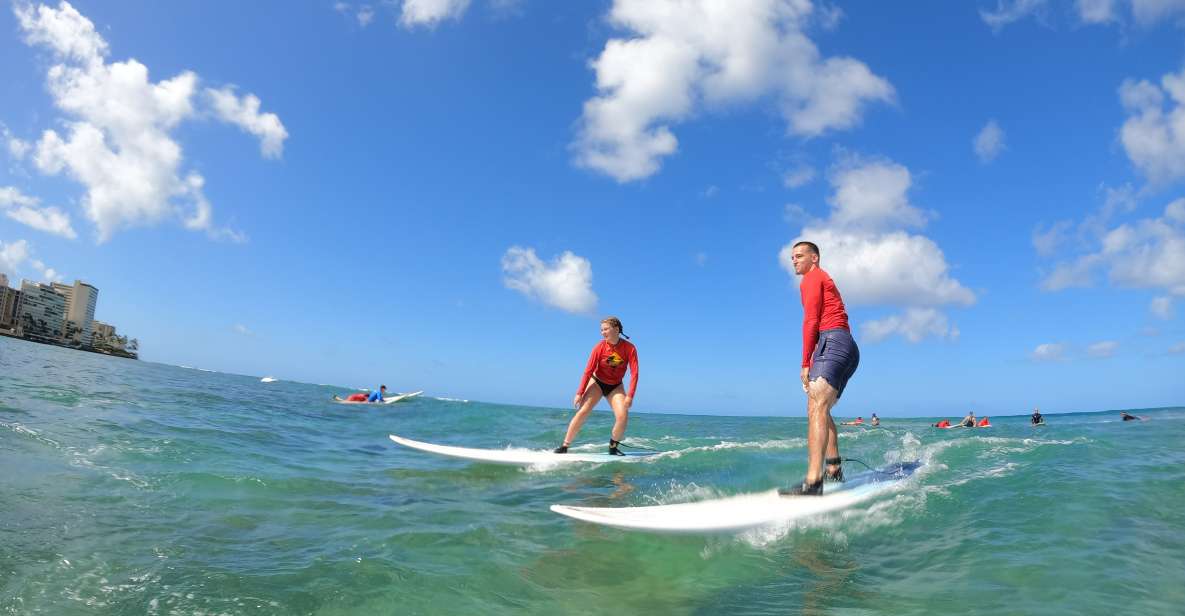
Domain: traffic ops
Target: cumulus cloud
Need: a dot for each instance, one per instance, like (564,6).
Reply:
(14,255)
(989,142)
(874,260)
(1102,349)
(1010,12)
(913,325)
(239,328)
(1146,253)
(1162,307)
(17,148)
(1143,13)
(679,56)
(118,139)
(1154,134)
(429,13)
(244,113)
(800,175)
(28,211)
(565,283)
(1050,351)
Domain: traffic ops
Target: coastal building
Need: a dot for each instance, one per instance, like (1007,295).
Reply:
(106,338)
(9,300)
(81,299)
(41,313)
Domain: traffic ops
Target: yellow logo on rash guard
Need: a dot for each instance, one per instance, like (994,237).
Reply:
(614,360)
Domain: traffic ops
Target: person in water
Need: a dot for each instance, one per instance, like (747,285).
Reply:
(859,421)
(829,359)
(876,421)
(604,377)
(984,423)
(969,420)
(945,423)
(1129,417)
(377,396)
(1037,418)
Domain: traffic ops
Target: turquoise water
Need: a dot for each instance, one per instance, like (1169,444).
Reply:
(137,488)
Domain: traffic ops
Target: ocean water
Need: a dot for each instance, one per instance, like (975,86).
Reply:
(138,488)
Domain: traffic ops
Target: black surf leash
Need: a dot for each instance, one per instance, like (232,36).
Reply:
(621,444)
(872,469)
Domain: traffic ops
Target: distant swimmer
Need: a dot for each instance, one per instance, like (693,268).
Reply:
(604,376)
(1037,419)
(859,421)
(945,423)
(374,396)
(984,423)
(829,358)
(969,420)
(876,421)
(1130,417)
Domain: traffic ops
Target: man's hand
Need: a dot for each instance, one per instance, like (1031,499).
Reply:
(806,375)
(576,401)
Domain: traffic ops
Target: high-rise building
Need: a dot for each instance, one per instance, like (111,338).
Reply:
(41,314)
(9,301)
(81,299)
(3,280)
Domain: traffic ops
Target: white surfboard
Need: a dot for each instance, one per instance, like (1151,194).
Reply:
(515,456)
(389,400)
(745,511)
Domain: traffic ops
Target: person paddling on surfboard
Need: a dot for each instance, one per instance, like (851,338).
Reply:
(375,396)
(829,358)
(1037,418)
(876,421)
(969,420)
(604,377)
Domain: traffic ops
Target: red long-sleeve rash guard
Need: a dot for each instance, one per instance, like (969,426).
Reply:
(822,308)
(608,363)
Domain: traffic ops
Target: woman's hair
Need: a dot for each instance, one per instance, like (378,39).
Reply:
(615,322)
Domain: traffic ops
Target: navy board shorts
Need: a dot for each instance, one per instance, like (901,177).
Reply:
(835,358)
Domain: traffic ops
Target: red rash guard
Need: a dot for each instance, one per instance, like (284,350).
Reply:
(608,363)
(822,308)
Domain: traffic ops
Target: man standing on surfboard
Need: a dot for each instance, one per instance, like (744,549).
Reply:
(604,376)
(829,359)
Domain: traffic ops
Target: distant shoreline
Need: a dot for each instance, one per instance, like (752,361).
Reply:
(109,352)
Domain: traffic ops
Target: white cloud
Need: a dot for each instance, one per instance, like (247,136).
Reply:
(874,260)
(1010,12)
(365,15)
(1096,11)
(565,283)
(27,210)
(117,140)
(17,148)
(1102,349)
(1154,134)
(1143,12)
(800,175)
(1148,12)
(244,113)
(1145,253)
(989,142)
(711,191)
(431,12)
(913,325)
(1177,348)
(13,255)
(1050,351)
(683,55)
(242,329)
(1162,307)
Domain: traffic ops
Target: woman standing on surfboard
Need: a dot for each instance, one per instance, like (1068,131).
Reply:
(604,377)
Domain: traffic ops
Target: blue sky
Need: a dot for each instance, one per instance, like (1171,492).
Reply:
(448,195)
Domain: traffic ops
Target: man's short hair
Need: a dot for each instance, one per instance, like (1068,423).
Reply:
(810,245)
